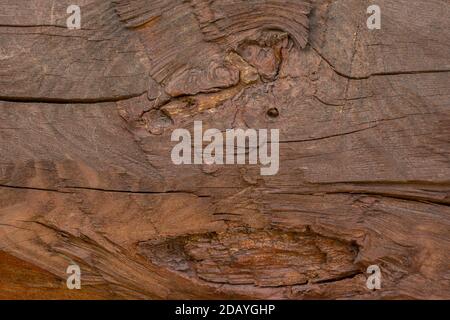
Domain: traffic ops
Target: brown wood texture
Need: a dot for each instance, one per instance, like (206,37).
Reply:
(86,176)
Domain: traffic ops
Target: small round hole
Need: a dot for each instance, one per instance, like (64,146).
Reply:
(273,112)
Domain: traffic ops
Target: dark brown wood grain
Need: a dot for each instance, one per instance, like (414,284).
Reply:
(86,177)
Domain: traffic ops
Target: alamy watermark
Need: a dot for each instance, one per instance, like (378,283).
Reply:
(235,146)
(374,21)
(74,280)
(74,20)
(374,280)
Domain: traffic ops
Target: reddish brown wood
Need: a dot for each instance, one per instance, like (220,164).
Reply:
(86,175)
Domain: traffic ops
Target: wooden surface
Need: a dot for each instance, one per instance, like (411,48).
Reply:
(86,176)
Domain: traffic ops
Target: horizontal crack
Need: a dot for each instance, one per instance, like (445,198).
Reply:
(420,199)
(32,188)
(398,197)
(350,275)
(393,73)
(68,100)
(61,190)
(327,137)
(137,192)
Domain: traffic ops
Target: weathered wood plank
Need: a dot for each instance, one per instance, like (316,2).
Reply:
(86,174)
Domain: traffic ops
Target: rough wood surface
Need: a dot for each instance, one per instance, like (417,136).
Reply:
(85,170)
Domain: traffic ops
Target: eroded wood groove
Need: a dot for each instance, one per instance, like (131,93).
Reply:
(86,175)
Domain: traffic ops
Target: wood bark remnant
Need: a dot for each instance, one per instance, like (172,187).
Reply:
(86,176)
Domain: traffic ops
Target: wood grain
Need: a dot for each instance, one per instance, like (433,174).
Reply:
(86,176)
